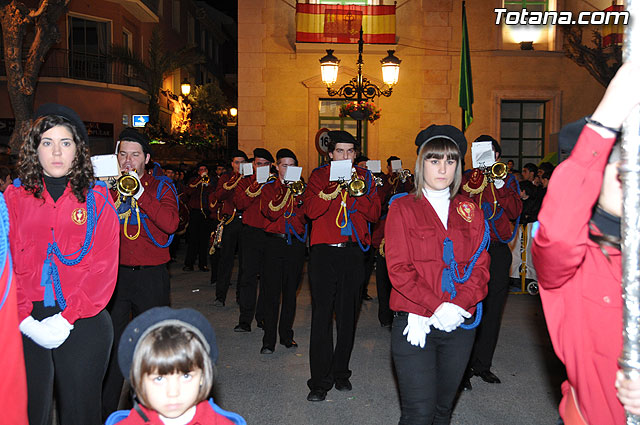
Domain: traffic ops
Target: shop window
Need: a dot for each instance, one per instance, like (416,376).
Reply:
(522,131)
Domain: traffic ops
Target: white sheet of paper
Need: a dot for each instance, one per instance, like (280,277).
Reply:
(482,154)
(247,169)
(340,170)
(262,174)
(396,165)
(373,165)
(293,174)
(105,165)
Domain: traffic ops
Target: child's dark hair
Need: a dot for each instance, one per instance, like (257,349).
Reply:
(167,350)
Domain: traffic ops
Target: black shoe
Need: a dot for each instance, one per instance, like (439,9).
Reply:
(260,324)
(385,325)
(187,269)
(289,344)
(266,350)
(242,328)
(465,385)
(218,302)
(488,377)
(317,395)
(204,268)
(343,385)
(367,297)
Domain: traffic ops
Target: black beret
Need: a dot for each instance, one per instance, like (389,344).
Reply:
(64,112)
(161,316)
(130,134)
(238,153)
(446,131)
(286,153)
(568,136)
(341,136)
(263,153)
(360,158)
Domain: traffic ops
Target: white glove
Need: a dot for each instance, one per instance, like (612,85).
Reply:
(416,330)
(49,335)
(498,183)
(140,188)
(448,317)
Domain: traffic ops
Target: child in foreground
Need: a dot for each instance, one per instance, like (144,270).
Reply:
(168,356)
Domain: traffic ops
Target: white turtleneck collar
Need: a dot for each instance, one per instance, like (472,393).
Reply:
(439,200)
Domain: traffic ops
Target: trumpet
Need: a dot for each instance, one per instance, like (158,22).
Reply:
(405,174)
(356,186)
(378,180)
(127,185)
(297,188)
(205,179)
(497,171)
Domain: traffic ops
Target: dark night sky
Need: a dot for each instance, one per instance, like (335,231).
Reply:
(229,7)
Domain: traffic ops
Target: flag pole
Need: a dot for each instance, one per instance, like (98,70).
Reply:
(630,231)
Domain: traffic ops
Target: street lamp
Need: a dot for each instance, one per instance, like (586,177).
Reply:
(185,87)
(359,88)
(233,112)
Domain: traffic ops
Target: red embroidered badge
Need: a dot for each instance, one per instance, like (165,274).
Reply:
(79,216)
(466,209)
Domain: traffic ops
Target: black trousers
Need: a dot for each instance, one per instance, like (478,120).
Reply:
(335,276)
(369,259)
(428,378)
(198,240)
(214,261)
(74,371)
(492,307)
(383,285)
(282,274)
(252,248)
(230,241)
(136,292)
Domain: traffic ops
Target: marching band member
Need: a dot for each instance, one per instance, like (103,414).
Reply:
(501,203)
(148,219)
(197,192)
(577,254)
(284,253)
(64,241)
(252,244)
(222,201)
(436,256)
(339,235)
(392,184)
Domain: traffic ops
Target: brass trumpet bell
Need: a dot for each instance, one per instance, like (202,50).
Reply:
(297,188)
(356,187)
(206,179)
(498,171)
(127,185)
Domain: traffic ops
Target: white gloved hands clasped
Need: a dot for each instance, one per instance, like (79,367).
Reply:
(417,329)
(49,333)
(137,196)
(448,317)
(498,183)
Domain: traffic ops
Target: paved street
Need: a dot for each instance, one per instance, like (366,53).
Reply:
(271,389)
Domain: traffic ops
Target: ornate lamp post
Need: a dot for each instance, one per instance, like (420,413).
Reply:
(359,88)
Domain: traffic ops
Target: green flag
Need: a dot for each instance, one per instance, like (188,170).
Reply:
(465,94)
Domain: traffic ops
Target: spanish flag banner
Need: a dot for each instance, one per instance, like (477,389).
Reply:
(612,33)
(329,23)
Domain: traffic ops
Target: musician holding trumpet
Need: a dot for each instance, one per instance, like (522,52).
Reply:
(285,228)
(340,213)
(148,211)
(497,193)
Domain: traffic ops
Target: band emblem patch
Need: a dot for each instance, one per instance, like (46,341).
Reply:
(466,209)
(79,216)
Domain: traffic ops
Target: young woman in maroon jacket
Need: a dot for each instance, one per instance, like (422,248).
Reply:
(439,268)
(576,252)
(64,240)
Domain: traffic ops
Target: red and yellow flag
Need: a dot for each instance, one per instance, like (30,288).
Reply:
(328,23)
